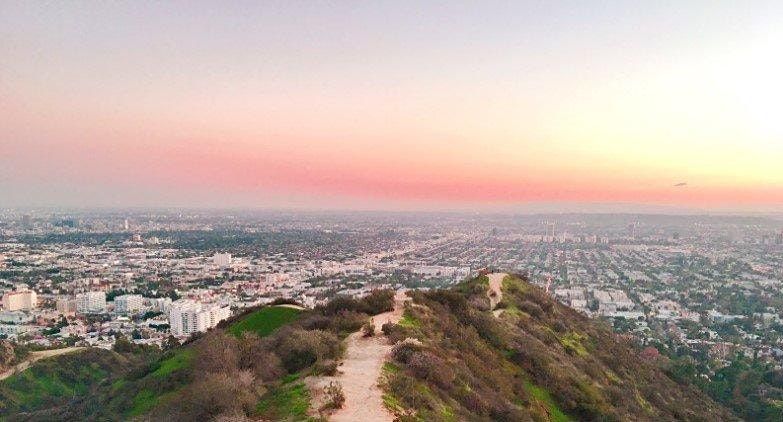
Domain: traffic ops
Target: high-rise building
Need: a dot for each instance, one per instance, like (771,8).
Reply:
(128,304)
(22,299)
(187,317)
(91,302)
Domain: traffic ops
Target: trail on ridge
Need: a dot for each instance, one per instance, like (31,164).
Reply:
(495,291)
(360,370)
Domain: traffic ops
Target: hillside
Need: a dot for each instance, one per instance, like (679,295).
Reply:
(493,348)
(530,359)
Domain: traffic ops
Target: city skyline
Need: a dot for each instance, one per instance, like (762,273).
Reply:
(392,106)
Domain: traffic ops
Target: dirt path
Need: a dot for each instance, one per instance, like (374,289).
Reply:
(495,292)
(34,357)
(360,371)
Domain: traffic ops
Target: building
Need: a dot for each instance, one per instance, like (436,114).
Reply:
(66,306)
(91,302)
(22,299)
(222,259)
(15,317)
(128,304)
(160,304)
(187,317)
(13,330)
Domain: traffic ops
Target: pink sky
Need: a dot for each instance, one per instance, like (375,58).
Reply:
(391,106)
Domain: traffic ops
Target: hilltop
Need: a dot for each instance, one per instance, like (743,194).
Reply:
(491,348)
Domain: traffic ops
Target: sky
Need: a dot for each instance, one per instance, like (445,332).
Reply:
(392,105)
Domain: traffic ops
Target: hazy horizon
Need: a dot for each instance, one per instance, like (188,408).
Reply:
(393,105)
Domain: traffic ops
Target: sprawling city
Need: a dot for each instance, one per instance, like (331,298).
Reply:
(701,285)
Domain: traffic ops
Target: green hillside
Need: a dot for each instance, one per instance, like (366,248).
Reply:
(453,359)
(539,360)
(252,365)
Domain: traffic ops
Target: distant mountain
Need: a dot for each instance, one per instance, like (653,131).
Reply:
(468,353)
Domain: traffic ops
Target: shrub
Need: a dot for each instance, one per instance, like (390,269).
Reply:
(402,351)
(316,322)
(340,303)
(387,328)
(217,353)
(299,348)
(428,367)
(346,322)
(378,301)
(394,332)
(531,308)
(405,389)
(212,395)
(368,329)
(327,367)
(335,398)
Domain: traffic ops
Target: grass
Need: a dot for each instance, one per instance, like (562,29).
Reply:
(409,321)
(29,388)
(392,403)
(572,342)
(265,320)
(543,396)
(390,368)
(145,400)
(512,284)
(180,359)
(287,402)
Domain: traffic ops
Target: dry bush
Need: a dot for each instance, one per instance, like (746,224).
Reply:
(394,332)
(378,301)
(213,395)
(431,368)
(217,353)
(316,322)
(255,355)
(387,328)
(335,398)
(531,308)
(345,322)
(300,348)
(402,351)
(326,367)
(368,329)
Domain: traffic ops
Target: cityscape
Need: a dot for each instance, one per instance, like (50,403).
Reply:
(688,284)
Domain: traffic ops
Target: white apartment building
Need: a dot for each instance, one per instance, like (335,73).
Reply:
(222,259)
(128,304)
(22,299)
(187,317)
(91,302)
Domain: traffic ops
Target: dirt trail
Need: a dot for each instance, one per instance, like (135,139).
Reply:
(360,371)
(495,292)
(34,357)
